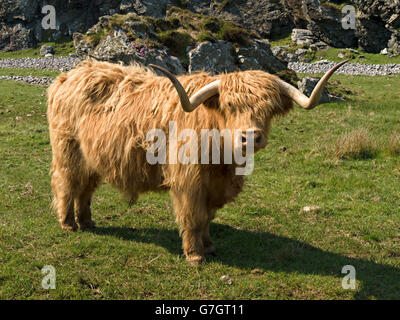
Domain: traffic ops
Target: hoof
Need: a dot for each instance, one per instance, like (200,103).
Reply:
(89,224)
(195,260)
(69,227)
(210,250)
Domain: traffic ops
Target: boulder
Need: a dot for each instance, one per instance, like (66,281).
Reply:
(259,56)
(44,50)
(307,86)
(118,48)
(303,37)
(213,57)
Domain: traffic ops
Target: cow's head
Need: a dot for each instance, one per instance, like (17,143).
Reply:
(249,100)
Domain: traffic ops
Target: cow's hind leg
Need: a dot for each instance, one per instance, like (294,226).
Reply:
(68,177)
(63,199)
(82,203)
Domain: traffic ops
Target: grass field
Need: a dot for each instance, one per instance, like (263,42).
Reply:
(61,48)
(331,54)
(135,251)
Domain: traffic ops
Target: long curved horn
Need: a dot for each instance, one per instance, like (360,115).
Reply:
(301,99)
(188,105)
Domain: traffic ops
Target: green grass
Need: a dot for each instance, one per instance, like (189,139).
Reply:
(282,41)
(331,54)
(369,58)
(61,49)
(134,253)
(29,72)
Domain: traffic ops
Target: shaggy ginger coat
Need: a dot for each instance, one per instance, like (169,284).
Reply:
(99,114)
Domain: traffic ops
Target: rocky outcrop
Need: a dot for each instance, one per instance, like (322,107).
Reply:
(20,20)
(265,17)
(224,57)
(378,22)
(394,43)
(324,21)
(118,48)
(127,38)
(15,37)
(220,56)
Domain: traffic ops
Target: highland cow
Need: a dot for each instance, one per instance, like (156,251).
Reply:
(99,114)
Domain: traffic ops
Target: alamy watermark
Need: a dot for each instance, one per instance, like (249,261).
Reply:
(188,151)
(49,280)
(50,20)
(349,19)
(349,281)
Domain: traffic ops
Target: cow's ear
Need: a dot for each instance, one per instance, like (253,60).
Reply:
(213,102)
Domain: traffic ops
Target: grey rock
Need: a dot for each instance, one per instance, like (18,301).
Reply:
(394,44)
(145,7)
(82,46)
(213,57)
(284,55)
(113,49)
(320,45)
(46,50)
(161,58)
(308,84)
(368,30)
(301,53)
(377,21)
(303,37)
(118,48)
(15,37)
(324,21)
(259,56)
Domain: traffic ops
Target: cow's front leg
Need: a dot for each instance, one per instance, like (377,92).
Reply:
(207,242)
(193,246)
(191,216)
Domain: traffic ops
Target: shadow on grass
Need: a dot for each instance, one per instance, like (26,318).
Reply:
(250,250)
